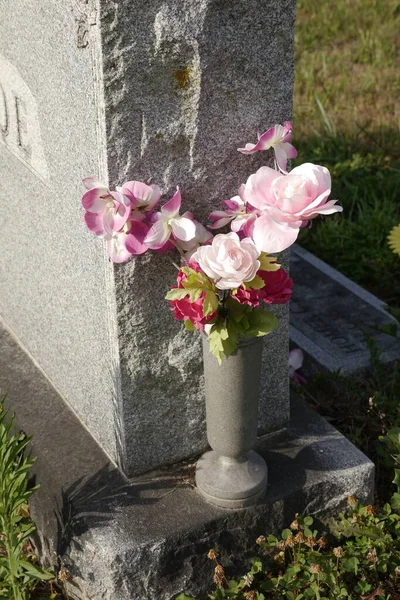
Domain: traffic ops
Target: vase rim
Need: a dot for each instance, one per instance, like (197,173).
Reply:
(244,340)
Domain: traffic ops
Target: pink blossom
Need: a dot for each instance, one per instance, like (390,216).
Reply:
(238,212)
(141,195)
(277,289)
(106,212)
(286,201)
(278,138)
(135,237)
(117,249)
(168,222)
(228,261)
(202,236)
(235,207)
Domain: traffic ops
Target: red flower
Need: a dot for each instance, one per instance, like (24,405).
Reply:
(277,289)
(184,309)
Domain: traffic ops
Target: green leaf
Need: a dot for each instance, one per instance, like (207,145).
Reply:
(255,284)
(395,501)
(350,565)
(223,338)
(194,285)
(309,592)
(176,294)
(261,322)
(230,343)
(189,325)
(396,479)
(268,263)
(36,572)
(256,565)
(210,303)
(308,521)
(236,311)
(197,280)
(215,340)
(286,534)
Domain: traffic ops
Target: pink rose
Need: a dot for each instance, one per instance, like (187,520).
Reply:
(285,202)
(299,196)
(184,309)
(277,289)
(228,260)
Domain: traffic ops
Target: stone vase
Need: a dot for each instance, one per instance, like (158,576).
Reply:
(232,475)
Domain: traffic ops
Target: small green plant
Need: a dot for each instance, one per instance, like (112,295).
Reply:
(361,560)
(391,444)
(18,575)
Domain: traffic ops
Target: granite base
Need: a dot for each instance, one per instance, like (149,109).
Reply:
(147,538)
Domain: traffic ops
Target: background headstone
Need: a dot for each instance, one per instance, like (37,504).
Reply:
(331,317)
(167,90)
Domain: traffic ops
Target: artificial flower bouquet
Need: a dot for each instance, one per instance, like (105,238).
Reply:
(223,281)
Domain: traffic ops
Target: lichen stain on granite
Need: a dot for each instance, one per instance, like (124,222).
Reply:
(182,78)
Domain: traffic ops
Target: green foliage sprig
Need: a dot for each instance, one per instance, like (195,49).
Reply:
(18,576)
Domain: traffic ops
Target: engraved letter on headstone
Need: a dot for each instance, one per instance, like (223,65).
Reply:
(3,112)
(22,123)
(19,120)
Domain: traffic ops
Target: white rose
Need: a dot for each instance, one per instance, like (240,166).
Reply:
(229,261)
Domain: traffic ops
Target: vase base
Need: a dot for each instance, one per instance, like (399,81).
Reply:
(231,483)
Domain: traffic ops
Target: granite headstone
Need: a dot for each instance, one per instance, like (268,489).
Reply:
(163,90)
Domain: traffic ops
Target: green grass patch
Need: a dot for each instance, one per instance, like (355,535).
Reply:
(347,117)
(21,577)
(347,56)
(367,182)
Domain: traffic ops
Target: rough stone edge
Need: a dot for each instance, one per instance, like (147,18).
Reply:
(342,279)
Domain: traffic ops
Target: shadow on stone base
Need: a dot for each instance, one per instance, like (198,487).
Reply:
(147,538)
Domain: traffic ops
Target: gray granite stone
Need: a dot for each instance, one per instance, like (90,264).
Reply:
(182,87)
(165,89)
(330,315)
(55,281)
(147,538)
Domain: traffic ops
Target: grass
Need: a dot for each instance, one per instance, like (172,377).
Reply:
(347,56)
(346,117)
(21,577)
